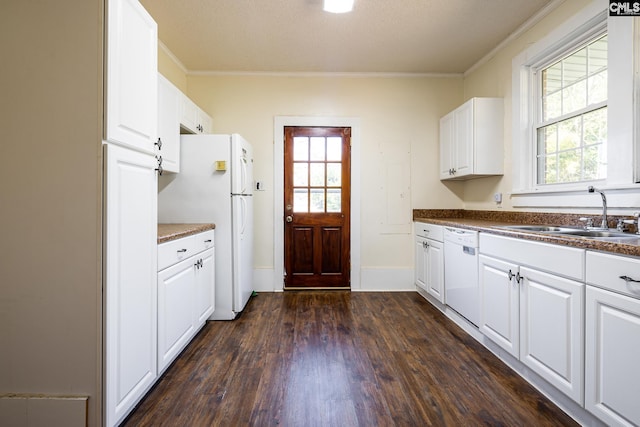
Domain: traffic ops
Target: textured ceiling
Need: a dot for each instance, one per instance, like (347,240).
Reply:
(383,36)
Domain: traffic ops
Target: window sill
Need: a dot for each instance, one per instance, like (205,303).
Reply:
(625,198)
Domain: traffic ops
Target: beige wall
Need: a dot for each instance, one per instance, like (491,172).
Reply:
(50,199)
(494,79)
(400,111)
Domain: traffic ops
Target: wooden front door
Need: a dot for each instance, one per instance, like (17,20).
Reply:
(317,195)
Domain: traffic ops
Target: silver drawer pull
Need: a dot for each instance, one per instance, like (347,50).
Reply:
(629,279)
(208,241)
(182,250)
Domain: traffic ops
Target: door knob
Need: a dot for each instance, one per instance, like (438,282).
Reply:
(289,218)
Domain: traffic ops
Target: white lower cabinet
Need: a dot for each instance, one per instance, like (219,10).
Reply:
(552,330)
(536,316)
(613,339)
(185,293)
(205,295)
(176,290)
(429,259)
(130,336)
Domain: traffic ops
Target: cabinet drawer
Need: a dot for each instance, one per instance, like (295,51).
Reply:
(175,251)
(604,270)
(431,231)
(204,240)
(561,260)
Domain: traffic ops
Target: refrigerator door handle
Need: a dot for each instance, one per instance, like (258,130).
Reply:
(243,214)
(243,178)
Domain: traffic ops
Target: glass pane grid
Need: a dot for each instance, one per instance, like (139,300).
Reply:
(568,84)
(317,174)
(572,138)
(573,150)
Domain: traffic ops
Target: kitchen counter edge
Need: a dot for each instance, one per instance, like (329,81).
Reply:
(488,226)
(169,232)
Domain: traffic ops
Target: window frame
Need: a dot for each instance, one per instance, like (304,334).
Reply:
(623,148)
(536,102)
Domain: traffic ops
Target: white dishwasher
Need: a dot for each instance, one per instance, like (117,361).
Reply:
(461,272)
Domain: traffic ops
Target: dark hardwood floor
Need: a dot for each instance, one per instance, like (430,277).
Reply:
(335,358)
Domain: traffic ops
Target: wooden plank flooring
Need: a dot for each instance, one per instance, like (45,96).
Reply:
(336,358)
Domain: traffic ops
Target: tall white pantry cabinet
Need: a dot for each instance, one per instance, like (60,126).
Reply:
(130,208)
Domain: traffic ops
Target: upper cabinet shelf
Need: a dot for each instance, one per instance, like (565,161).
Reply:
(471,140)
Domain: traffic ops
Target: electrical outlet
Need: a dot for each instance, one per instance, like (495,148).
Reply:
(497,197)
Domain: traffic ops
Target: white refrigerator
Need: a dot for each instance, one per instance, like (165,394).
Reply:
(215,185)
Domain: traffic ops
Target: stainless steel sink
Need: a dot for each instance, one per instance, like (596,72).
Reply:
(608,235)
(539,228)
(599,234)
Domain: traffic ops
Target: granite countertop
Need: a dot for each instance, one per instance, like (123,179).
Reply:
(490,221)
(168,232)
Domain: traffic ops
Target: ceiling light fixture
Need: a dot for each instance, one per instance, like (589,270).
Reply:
(338,6)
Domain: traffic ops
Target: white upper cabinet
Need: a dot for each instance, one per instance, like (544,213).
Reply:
(131,76)
(193,118)
(168,124)
(471,140)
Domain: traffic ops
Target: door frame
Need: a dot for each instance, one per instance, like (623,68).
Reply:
(278,189)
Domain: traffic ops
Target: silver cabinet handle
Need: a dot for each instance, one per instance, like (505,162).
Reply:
(182,251)
(629,279)
(159,168)
(159,144)
(289,218)
(208,241)
(510,274)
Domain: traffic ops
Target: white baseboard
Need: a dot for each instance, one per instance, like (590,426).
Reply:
(371,279)
(264,280)
(385,279)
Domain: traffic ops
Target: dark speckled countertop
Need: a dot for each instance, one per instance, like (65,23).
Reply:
(168,232)
(490,221)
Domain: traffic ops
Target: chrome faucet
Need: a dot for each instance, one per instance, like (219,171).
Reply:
(605,220)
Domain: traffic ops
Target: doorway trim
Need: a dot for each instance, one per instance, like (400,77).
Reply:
(278,189)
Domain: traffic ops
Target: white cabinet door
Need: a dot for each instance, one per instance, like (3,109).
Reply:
(421,262)
(463,139)
(446,146)
(435,270)
(612,354)
(130,279)
(169,124)
(205,121)
(131,76)
(205,285)
(499,303)
(176,292)
(188,114)
(471,140)
(551,330)
(193,118)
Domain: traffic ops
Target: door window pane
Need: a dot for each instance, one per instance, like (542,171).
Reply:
(334,200)
(334,174)
(317,200)
(317,148)
(317,174)
(334,148)
(300,148)
(301,174)
(300,200)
